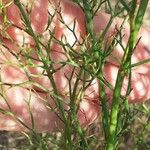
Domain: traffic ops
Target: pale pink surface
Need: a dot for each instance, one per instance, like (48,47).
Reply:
(20,98)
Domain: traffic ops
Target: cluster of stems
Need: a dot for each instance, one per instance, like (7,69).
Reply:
(111,119)
(87,65)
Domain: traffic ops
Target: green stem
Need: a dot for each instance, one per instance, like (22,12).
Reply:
(135,23)
(89,19)
(57,95)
